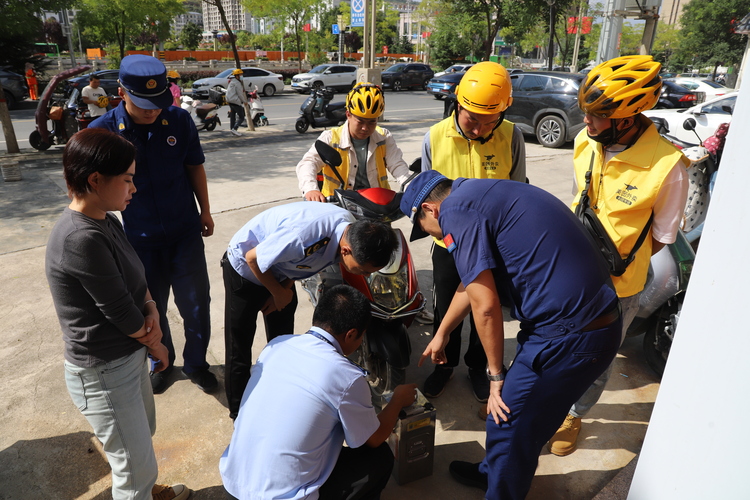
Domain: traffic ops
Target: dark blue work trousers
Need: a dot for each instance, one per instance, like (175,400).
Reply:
(181,265)
(548,375)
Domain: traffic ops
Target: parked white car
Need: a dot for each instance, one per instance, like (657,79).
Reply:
(334,76)
(708,116)
(711,89)
(267,82)
(456,68)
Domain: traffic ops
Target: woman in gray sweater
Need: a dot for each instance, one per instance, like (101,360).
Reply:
(108,319)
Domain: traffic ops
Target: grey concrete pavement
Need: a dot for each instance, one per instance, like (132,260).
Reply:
(47,449)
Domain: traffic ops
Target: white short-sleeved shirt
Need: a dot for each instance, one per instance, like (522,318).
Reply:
(303,399)
(293,241)
(94,94)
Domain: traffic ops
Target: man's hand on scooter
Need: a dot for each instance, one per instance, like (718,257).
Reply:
(315,196)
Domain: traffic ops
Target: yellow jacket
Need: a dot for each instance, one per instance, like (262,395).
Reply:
(331,182)
(624,197)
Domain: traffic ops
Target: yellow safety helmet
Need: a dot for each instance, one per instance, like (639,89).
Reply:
(485,89)
(173,74)
(366,100)
(237,71)
(621,87)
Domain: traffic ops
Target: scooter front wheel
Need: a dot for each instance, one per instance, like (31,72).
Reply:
(657,341)
(382,377)
(301,126)
(35,139)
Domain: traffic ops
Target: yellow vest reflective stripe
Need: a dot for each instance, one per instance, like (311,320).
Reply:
(454,156)
(330,182)
(625,199)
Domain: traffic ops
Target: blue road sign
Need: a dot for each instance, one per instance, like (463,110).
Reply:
(358,13)
(335,29)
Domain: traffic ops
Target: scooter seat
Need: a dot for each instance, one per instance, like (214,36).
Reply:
(203,110)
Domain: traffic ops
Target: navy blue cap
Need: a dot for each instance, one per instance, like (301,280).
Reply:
(415,194)
(144,78)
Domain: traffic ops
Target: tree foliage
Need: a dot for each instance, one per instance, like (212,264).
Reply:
(707,37)
(21,28)
(293,14)
(191,36)
(119,22)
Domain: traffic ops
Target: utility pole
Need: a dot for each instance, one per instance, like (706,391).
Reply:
(551,47)
(577,45)
(68,32)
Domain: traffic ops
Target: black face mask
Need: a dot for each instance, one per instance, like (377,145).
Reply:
(606,138)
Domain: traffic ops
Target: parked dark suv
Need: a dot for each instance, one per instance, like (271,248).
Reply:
(545,104)
(107,80)
(14,87)
(406,75)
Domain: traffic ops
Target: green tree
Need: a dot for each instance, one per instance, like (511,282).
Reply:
(292,13)
(666,42)
(191,36)
(21,28)
(707,37)
(120,21)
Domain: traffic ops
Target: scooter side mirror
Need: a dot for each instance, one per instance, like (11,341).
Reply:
(727,109)
(689,124)
(328,154)
(416,165)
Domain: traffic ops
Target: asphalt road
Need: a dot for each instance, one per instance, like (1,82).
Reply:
(282,111)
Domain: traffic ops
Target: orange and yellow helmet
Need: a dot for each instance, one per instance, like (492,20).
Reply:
(621,87)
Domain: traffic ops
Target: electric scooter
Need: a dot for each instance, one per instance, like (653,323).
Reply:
(661,300)
(393,291)
(318,112)
(205,116)
(257,113)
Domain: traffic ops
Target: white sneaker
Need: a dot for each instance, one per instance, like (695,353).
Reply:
(236,132)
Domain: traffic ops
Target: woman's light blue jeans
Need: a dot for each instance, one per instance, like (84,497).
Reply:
(117,400)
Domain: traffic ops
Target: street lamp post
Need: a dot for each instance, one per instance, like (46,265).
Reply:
(551,47)
(216,35)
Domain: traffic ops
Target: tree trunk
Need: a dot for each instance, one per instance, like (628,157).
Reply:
(8,131)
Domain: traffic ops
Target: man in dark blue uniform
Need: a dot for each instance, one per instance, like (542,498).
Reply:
(517,245)
(163,223)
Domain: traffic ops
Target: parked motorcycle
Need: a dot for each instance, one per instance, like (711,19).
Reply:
(54,108)
(318,112)
(393,291)
(204,115)
(661,301)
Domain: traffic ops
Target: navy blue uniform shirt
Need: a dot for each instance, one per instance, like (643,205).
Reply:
(544,266)
(164,207)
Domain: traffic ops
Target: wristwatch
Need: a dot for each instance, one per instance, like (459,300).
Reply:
(496,378)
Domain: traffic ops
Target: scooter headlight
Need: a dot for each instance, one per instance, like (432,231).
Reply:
(390,290)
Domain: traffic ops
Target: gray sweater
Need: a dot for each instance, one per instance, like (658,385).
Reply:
(98,287)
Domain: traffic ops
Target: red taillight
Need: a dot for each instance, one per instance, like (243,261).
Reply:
(688,97)
(280,77)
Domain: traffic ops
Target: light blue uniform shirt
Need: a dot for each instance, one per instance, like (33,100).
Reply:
(303,399)
(294,241)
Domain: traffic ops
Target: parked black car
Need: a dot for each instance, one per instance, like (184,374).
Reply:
(674,95)
(406,75)
(545,104)
(108,81)
(444,85)
(14,87)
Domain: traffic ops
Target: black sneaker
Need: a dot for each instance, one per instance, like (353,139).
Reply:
(436,382)
(480,386)
(160,380)
(468,473)
(204,379)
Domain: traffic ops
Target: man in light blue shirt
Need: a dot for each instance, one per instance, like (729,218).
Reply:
(303,400)
(278,246)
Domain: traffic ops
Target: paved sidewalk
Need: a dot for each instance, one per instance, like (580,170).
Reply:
(47,450)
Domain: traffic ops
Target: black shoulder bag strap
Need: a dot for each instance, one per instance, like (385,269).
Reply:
(602,239)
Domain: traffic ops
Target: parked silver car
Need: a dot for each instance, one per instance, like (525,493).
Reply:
(334,76)
(267,82)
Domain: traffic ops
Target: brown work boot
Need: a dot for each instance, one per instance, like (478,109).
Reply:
(165,492)
(563,443)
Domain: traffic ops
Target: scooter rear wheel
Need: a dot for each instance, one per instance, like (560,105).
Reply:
(35,139)
(657,342)
(211,126)
(301,126)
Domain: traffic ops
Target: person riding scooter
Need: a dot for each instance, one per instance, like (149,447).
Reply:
(368,152)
